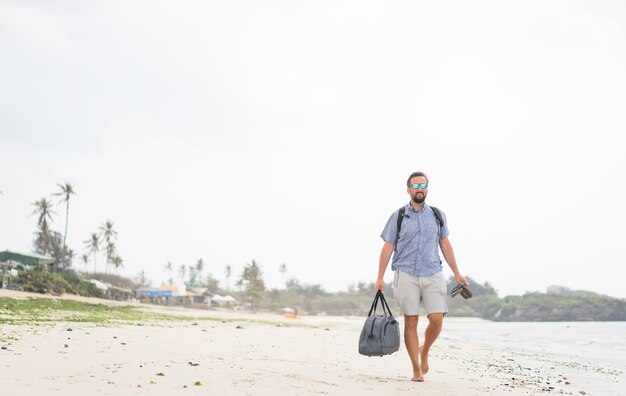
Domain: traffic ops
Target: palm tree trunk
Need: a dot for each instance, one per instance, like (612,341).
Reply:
(67,214)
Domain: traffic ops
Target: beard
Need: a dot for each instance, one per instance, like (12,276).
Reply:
(419,200)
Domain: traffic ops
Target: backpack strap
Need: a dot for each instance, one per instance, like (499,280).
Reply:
(399,223)
(438,217)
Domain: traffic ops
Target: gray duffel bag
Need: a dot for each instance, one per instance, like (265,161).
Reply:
(381,333)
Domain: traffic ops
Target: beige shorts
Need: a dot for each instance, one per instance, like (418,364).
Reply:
(409,291)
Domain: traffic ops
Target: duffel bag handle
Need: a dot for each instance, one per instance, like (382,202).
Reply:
(380,296)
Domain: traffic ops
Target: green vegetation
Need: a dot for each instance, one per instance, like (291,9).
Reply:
(113,279)
(49,310)
(42,310)
(307,299)
(45,241)
(560,307)
(14,311)
(251,282)
(538,307)
(485,303)
(57,283)
(109,235)
(313,299)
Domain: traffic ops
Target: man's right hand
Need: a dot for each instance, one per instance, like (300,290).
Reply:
(379,285)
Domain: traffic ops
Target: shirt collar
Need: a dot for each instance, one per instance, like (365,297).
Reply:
(409,209)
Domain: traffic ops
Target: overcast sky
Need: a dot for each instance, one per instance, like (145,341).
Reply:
(284,131)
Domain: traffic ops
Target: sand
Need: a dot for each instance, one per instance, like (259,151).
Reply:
(248,354)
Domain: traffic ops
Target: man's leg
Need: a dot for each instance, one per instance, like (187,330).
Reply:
(435,322)
(412,345)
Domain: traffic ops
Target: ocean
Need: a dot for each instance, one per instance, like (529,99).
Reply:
(594,353)
(600,342)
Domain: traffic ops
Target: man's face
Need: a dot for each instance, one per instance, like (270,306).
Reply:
(418,194)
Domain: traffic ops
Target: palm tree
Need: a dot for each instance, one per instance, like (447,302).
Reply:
(107,230)
(67,190)
(141,280)
(108,234)
(117,262)
(93,246)
(283,270)
(68,257)
(200,266)
(111,251)
(169,268)
(251,280)
(182,271)
(85,260)
(229,272)
(43,208)
(195,272)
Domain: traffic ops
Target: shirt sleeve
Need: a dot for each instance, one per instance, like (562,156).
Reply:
(390,233)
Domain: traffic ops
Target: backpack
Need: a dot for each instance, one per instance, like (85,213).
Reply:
(401,217)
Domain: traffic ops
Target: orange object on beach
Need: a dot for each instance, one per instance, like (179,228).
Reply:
(290,313)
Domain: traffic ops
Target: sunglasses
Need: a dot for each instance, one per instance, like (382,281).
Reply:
(418,185)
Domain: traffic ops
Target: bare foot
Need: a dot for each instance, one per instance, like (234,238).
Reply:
(417,378)
(424,360)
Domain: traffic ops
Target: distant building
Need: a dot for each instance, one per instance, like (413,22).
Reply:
(155,296)
(223,301)
(201,295)
(113,292)
(10,262)
(557,289)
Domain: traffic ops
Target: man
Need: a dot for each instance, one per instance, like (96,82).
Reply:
(418,276)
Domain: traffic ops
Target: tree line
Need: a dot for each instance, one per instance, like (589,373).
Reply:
(49,242)
(532,306)
(192,276)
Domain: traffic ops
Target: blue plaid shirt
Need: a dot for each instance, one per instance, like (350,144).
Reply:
(417,250)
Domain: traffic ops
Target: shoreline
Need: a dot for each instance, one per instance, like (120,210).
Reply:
(237,353)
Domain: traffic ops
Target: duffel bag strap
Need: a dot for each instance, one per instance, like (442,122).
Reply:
(373,308)
(384,304)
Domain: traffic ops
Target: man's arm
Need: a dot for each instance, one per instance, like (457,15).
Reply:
(448,254)
(383,261)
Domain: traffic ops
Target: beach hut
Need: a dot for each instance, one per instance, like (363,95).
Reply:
(100,285)
(222,301)
(11,261)
(173,293)
(113,292)
(155,296)
(201,297)
(27,260)
(119,293)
